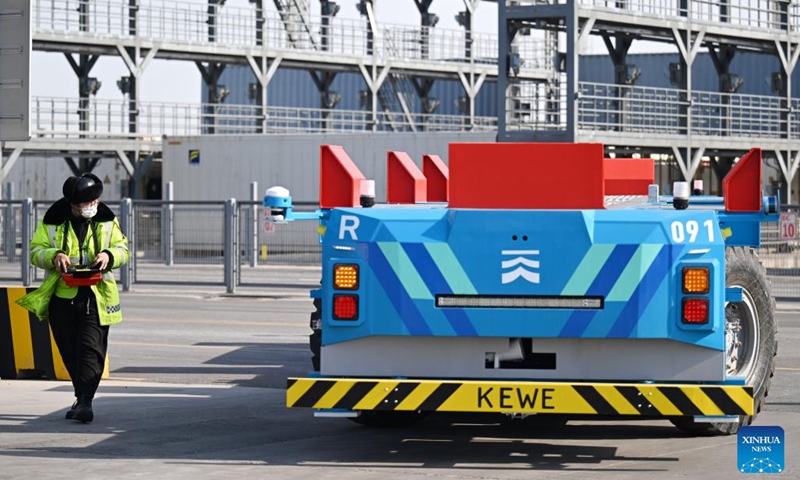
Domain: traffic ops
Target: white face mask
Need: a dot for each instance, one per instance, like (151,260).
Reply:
(89,212)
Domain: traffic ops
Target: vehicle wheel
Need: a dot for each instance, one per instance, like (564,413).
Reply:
(315,339)
(750,337)
(378,419)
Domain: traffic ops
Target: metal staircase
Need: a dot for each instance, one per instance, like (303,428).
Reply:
(296,19)
(397,96)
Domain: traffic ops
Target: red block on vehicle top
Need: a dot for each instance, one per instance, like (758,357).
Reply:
(526,175)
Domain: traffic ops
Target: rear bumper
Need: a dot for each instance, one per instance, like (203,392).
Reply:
(626,399)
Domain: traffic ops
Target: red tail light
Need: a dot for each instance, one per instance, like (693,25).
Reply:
(695,310)
(345,307)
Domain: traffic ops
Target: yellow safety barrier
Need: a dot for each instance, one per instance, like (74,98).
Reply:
(646,399)
(27,347)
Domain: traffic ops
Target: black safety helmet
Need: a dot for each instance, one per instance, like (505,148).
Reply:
(86,188)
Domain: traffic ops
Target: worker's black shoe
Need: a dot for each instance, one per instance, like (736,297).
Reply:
(83,410)
(71,412)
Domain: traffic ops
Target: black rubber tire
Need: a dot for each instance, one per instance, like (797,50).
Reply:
(743,269)
(379,419)
(315,339)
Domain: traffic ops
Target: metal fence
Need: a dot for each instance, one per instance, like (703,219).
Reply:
(228,236)
(782,257)
(226,244)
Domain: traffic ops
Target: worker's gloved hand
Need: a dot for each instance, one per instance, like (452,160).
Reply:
(100,261)
(61,262)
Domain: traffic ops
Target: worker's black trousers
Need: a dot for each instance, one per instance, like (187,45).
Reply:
(81,340)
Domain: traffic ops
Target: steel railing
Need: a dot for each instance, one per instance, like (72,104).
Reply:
(246,27)
(533,106)
(673,111)
(757,15)
(641,109)
(536,106)
(100,118)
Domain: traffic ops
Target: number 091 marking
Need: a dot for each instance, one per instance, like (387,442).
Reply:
(690,229)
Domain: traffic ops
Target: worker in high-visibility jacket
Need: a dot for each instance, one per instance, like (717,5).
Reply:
(79,231)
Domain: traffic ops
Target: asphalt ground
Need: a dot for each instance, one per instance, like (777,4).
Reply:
(197,387)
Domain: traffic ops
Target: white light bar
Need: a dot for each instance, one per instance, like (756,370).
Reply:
(509,301)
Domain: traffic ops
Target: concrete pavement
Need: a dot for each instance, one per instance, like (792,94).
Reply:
(183,432)
(217,425)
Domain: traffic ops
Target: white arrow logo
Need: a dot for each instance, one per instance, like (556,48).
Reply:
(531,276)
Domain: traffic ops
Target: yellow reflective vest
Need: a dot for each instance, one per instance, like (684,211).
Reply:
(49,239)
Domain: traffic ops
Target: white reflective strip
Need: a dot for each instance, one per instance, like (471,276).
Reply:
(51,230)
(491,301)
(41,258)
(108,276)
(108,239)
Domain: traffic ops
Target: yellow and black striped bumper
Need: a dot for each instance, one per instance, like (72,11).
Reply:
(520,397)
(27,347)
